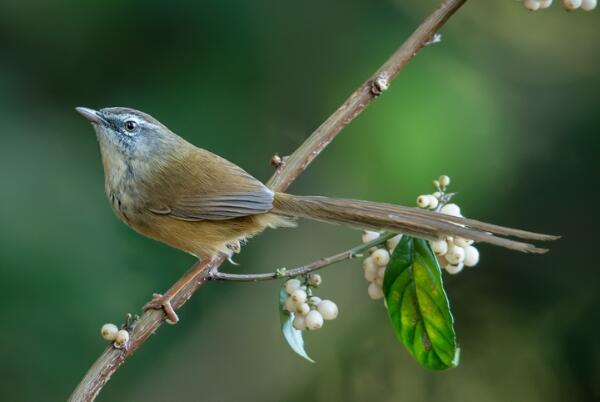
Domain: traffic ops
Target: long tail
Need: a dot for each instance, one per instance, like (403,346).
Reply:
(395,218)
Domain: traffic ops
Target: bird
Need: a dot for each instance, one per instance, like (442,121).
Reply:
(170,190)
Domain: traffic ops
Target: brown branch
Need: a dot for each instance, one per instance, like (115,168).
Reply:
(291,168)
(321,263)
(287,171)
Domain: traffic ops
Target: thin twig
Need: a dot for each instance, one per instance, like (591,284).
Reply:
(291,168)
(287,171)
(304,269)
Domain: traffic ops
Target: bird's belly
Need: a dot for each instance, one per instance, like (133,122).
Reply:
(204,239)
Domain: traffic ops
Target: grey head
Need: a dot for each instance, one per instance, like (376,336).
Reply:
(128,133)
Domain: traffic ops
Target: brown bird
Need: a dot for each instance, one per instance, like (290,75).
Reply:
(165,188)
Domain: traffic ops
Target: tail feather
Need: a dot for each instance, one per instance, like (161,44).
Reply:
(473,223)
(412,221)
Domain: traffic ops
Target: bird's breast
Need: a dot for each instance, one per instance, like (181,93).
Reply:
(125,206)
(123,191)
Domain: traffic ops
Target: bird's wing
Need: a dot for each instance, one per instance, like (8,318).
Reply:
(217,206)
(209,187)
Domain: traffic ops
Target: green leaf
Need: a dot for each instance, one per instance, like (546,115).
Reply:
(291,334)
(418,306)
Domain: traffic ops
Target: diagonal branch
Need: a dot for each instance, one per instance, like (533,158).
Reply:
(293,166)
(287,171)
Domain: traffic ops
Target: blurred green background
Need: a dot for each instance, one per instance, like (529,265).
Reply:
(506,105)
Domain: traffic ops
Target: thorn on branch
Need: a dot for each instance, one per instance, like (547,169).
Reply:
(436,38)
(278,161)
(380,84)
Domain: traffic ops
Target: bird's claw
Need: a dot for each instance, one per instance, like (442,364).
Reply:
(235,246)
(160,302)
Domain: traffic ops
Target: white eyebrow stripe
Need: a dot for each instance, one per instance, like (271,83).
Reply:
(133,117)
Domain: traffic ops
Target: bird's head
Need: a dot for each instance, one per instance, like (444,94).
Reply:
(128,134)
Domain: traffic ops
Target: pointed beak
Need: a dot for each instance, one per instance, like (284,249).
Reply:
(92,115)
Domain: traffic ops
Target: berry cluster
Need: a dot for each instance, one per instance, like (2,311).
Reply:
(309,311)
(569,5)
(375,264)
(112,333)
(453,253)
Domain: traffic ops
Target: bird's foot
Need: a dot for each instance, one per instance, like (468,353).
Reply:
(235,246)
(160,302)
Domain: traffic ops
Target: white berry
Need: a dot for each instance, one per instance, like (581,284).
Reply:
(471,256)
(451,209)
(368,262)
(292,285)
(109,332)
(454,268)
(461,242)
(444,180)
(290,305)
(393,242)
(571,5)
(381,257)
(328,309)
(314,279)
(455,254)
(378,281)
(532,5)
(439,247)
(298,296)
(381,272)
(302,309)
(433,201)
(368,236)
(314,300)
(375,291)
(121,339)
(589,5)
(313,320)
(299,323)
(423,201)
(371,273)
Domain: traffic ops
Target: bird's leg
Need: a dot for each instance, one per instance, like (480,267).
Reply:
(163,301)
(234,247)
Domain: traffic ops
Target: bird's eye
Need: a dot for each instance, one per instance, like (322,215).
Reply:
(130,125)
